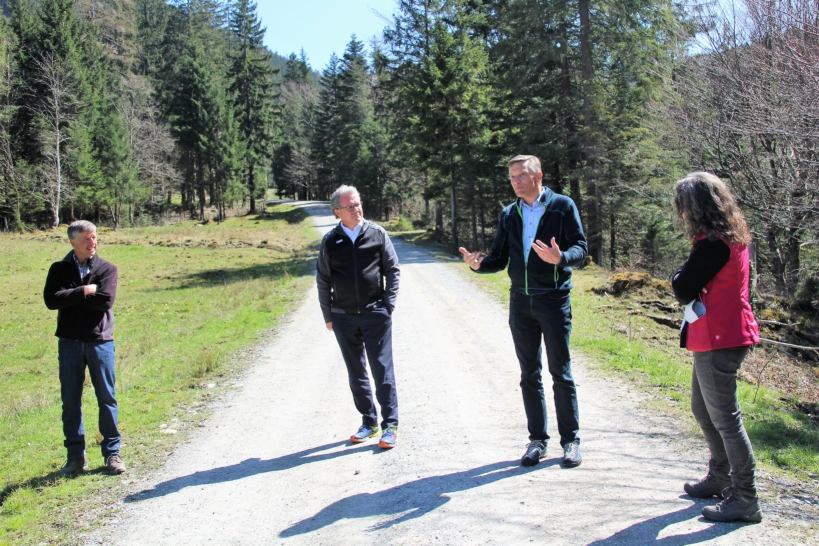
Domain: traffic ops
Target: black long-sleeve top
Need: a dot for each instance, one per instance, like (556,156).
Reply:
(707,258)
(705,261)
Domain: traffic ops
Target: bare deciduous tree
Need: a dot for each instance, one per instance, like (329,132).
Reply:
(749,111)
(54,105)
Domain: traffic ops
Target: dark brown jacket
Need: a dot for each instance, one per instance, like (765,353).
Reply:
(80,316)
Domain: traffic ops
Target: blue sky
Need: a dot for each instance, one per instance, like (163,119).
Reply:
(320,26)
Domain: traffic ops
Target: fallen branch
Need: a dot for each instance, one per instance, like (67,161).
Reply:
(776,323)
(789,345)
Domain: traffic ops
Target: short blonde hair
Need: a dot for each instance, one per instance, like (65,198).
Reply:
(531,162)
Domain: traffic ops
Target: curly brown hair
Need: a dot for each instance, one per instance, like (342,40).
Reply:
(705,206)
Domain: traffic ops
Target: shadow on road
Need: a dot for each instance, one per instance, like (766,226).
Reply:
(408,254)
(410,500)
(248,467)
(646,532)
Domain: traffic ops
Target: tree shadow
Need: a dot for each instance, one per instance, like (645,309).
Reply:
(249,467)
(272,270)
(296,215)
(410,500)
(646,532)
(409,254)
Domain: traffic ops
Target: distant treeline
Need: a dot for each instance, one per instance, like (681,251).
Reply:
(118,111)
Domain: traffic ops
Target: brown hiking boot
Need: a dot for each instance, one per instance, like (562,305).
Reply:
(114,465)
(74,466)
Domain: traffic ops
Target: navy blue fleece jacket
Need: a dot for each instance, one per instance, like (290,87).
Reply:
(534,276)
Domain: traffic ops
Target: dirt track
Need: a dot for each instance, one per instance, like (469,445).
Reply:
(274,466)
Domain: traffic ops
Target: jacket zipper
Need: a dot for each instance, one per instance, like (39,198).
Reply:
(355,274)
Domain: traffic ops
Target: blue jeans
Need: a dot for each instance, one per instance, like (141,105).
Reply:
(370,333)
(547,317)
(715,405)
(98,356)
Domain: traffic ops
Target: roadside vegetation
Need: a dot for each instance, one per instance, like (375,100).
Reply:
(192,299)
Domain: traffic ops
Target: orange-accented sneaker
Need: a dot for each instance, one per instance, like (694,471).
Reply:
(389,438)
(364,433)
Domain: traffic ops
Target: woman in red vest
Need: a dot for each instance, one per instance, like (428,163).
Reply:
(719,329)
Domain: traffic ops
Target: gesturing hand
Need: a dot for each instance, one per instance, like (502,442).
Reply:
(549,254)
(472,259)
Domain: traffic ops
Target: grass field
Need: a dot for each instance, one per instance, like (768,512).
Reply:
(192,299)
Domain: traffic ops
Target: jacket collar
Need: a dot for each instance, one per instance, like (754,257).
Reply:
(544,198)
(364,226)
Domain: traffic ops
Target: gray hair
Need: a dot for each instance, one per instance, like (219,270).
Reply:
(80,226)
(335,199)
(530,162)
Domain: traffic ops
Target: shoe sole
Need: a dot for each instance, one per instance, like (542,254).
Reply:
(571,464)
(756,517)
(115,471)
(355,440)
(385,446)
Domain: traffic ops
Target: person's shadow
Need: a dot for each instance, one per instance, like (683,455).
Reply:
(248,467)
(646,532)
(410,500)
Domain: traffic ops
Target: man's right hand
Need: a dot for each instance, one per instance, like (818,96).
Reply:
(472,259)
(329,326)
(89,289)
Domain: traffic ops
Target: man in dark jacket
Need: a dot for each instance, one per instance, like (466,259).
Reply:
(539,304)
(357,277)
(82,289)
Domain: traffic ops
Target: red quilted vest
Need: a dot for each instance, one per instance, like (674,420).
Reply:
(728,321)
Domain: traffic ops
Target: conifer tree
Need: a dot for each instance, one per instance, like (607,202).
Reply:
(251,76)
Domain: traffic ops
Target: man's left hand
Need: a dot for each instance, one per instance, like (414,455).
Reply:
(549,254)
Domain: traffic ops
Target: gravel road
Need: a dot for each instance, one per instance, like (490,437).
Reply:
(274,464)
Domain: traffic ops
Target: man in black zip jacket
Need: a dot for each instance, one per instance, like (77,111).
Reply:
(82,289)
(539,304)
(357,277)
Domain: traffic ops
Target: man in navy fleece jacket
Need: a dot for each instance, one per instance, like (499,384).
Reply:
(539,304)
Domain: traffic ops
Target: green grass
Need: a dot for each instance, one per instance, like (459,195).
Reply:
(648,354)
(191,300)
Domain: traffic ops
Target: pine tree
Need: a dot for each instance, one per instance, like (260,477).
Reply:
(251,76)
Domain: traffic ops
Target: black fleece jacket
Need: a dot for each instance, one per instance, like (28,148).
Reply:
(534,276)
(81,317)
(356,277)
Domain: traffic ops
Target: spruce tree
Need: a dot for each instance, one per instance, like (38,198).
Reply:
(251,76)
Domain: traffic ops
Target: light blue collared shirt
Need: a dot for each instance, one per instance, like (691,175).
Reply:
(352,233)
(531,219)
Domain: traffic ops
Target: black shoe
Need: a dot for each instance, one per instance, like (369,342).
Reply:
(734,508)
(709,486)
(74,466)
(535,451)
(571,454)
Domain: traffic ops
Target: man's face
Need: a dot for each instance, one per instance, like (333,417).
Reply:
(525,183)
(350,211)
(85,246)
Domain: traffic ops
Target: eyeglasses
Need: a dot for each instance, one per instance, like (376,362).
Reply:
(350,208)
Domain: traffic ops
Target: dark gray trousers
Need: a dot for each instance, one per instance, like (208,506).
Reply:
(716,407)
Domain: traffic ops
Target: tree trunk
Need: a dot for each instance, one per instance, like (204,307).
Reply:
(251,188)
(454,217)
(593,209)
(794,262)
(612,240)
(777,269)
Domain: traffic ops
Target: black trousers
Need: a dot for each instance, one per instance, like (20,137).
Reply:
(370,333)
